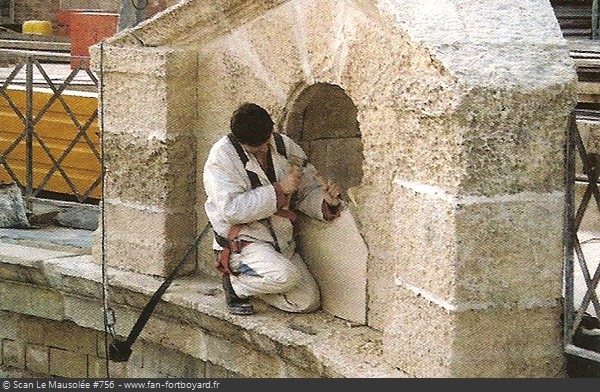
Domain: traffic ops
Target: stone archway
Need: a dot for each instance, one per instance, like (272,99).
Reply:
(323,121)
(322,118)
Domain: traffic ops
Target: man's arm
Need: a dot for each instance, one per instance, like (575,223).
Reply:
(228,190)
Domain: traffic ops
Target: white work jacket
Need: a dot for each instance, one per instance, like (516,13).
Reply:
(231,199)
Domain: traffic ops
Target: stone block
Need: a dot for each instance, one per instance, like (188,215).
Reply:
(134,257)
(97,367)
(40,331)
(242,82)
(151,172)
(68,364)
(84,313)
(380,289)
(316,21)
(12,208)
(515,137)
(466,42)
(9,325)
(215,371)
(13,352)
(479,251)
(119,370)
(37,359)
(31,300)
(339,160)
(336,254)
(74,276)
(419,148)
(505,245)
(188,339)
(240,359)
(276,39)
(153,242)
(426,340)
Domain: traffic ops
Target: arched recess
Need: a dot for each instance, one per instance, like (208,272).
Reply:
(323,121)
(322,118)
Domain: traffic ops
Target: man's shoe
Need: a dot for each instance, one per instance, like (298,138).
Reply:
(236,305)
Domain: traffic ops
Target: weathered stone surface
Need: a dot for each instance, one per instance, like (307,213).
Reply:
(37,359)
(12,209)
(455,99)
(9,325)
(69,364)
(497,342)
(31,300)
(135,247)
(479,250)
(78,218)
(13,352)
(190,325)
(43,332)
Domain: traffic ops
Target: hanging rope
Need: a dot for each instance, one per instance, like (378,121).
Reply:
(119,350)
(108,324)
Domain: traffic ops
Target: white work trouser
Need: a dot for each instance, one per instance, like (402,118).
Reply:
(282,282)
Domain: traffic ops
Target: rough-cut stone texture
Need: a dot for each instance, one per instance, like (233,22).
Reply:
(150,155)
(12,208)
(462,108)
(190,334)
(474,343)
(37,359)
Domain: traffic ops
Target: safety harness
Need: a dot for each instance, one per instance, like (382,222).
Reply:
(232,244)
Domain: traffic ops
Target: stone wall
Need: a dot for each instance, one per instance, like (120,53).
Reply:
(104,5)
(462,108)
(38,347)
(52,323)
(36,10)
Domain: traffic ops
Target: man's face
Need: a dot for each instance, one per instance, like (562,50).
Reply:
(260,149)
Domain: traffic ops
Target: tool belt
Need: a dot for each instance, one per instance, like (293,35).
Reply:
(230,245)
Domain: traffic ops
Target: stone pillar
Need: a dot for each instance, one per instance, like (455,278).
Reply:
(148,123)
(478,231)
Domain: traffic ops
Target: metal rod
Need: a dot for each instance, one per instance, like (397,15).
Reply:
(569,227)
(29,134)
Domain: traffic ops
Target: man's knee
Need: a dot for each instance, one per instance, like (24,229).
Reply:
(286,277)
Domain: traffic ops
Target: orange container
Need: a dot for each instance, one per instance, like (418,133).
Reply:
(63,20)
(87,29)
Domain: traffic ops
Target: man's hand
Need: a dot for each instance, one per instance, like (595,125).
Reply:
(291,182)
(331,193)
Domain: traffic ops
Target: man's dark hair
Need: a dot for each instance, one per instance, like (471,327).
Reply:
(251,124)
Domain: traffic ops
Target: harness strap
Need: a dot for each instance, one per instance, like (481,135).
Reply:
(231,244)
(279,144)
(254,180)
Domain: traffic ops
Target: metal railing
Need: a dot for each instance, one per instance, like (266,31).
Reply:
(32,116)
(576,311)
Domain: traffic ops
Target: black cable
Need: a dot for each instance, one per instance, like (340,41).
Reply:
(102,213)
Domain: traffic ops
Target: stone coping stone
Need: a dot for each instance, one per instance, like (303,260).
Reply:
(50,237)
(319,342)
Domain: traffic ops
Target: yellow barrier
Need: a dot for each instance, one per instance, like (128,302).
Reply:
(56,130)
(40,27)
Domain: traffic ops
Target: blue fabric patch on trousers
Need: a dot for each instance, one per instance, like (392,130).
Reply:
(246,270)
